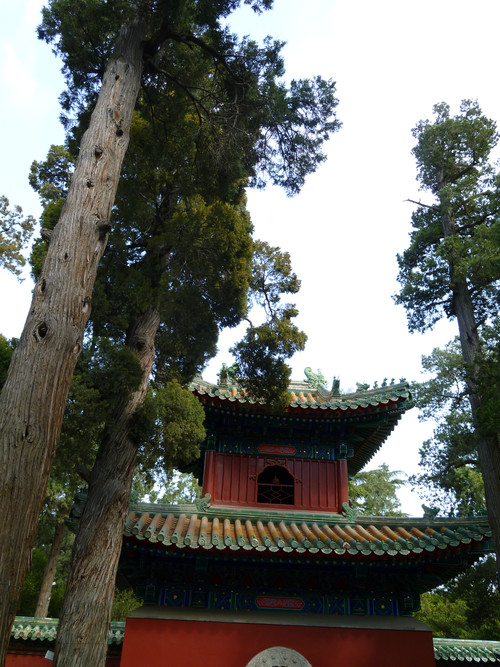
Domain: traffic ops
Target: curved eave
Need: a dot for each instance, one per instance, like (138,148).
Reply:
(314,402)
(364,453)
(466,650)
(329,535)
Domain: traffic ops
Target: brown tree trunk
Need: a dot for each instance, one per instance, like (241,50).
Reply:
(42,605)
(34,395)
(82,636)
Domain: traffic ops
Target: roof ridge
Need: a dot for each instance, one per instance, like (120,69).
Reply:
(291,514)
(303,392)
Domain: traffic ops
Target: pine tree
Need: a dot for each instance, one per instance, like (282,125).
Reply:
(452,266)
(132,47)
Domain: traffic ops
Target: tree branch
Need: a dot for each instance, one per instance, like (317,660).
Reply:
(419,203)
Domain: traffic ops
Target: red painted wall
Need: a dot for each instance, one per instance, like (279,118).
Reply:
(155,642)
(231,479)
(26,661)
(20,660)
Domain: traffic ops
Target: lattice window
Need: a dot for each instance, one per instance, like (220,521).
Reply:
(275,485)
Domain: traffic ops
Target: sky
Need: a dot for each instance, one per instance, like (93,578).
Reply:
(392,61)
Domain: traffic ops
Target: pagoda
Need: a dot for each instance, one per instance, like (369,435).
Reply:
(272,567)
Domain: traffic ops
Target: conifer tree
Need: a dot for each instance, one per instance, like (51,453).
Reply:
(450,477)
(452,266)
(131,47)
(188,261)
(15,232)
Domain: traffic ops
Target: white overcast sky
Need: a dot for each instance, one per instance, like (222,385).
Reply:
(392,61)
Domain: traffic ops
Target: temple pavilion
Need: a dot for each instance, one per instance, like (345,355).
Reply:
(272,566)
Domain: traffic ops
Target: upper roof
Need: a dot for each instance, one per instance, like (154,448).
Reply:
(361,420)
(310,394)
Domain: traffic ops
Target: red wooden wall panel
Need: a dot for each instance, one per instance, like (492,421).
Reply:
(231,479)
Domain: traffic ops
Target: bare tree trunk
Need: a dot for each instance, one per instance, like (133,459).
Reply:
(34,395)
(82,637)
(42,605)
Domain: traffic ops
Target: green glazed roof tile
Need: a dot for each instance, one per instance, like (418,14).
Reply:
(306,397)
(45,629)
(466,650)
(300,532)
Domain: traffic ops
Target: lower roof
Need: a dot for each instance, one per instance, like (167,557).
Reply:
(45,629)
(340,536)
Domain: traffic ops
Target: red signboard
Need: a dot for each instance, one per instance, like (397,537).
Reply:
(268,602)
(276,449)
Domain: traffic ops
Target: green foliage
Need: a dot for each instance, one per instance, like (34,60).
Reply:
(262,128)
(272,276)
(489,379)
(455,239)
(452,269)
(450,478)
(6,349)
(478,586)
(168,428)
(452,150)
(124,602)
(374,492)
(50,179)
(262,353)
(103,374)
(112,368)
(213,249)
(33,581)
(468,607)
(261,356)
(447,618)
(163,486)
(179,487)
(15,232)
(175,245)
(212,115)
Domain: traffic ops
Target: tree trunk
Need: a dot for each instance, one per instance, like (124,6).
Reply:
(34,395)
(488,447)
(487,444)
(82,637)
(42,605)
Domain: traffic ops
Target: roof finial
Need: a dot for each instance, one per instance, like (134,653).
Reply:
(314,380)
(228,374)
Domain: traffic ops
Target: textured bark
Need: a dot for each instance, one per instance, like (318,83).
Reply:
(42,605)
(34,395)
(82,637)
